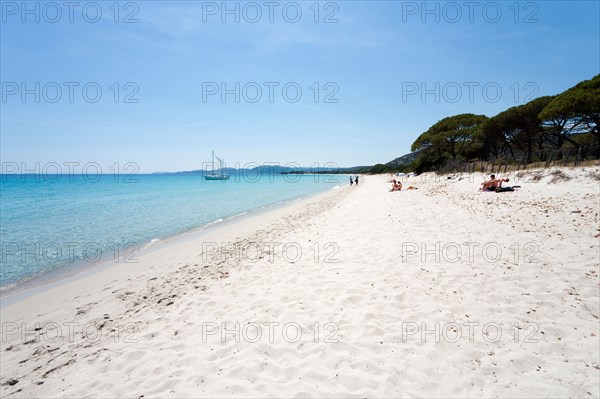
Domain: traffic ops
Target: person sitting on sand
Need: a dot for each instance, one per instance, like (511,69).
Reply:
(396,185)
(493,183)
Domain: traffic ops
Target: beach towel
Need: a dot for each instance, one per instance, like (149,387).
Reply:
(504,189)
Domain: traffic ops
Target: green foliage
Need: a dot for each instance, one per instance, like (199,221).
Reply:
(520,127)
(427,161)
(379,168)
(450,138)
(579,106)
(403,168)
(523,132)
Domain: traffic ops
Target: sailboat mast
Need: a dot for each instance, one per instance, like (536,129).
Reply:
(220,164)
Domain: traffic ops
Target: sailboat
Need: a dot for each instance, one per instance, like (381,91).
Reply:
(214,175)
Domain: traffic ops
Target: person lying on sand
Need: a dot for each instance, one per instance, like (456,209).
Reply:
(493,183)
(505,189)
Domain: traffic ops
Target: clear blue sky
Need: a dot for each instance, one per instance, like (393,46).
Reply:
(377,56)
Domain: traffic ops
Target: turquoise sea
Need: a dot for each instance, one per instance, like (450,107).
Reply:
(50,222)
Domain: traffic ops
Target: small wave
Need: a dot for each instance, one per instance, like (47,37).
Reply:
(237,215)
(213,222)
(7,287)
(337,186)
(152,242)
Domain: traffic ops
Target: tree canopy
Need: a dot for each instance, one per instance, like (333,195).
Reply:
(449,138)
(579,106)
(525,132)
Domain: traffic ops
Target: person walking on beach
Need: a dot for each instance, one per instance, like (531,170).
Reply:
(355,180)
(351,181)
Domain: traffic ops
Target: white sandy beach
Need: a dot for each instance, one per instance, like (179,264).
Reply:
(358,292)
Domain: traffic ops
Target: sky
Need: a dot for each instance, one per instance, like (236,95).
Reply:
(161,84)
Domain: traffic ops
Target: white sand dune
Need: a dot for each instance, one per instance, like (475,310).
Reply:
(359,292)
